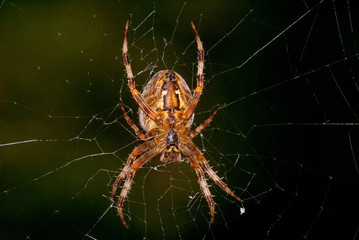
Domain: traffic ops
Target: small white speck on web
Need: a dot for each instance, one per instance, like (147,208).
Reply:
(243,210)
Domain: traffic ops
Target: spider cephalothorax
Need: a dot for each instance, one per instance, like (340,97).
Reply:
(166,108)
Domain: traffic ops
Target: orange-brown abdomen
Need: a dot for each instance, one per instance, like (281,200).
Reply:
(166,92)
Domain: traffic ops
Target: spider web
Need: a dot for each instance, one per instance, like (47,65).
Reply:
(284,77)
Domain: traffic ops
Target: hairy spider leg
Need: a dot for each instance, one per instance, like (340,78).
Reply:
(131,82)
(135,128)
(130,174)
(204,164)
(192,103)
(203,125)
(135,153)
(132,124)
(202,181)
(195,155)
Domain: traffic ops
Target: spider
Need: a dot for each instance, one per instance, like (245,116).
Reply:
(166,108)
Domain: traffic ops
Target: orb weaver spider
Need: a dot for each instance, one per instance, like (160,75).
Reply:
(166,108)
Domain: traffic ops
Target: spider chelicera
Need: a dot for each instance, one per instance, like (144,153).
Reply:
(166,108)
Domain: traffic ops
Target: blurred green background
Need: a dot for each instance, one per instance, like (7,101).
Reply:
(271,70)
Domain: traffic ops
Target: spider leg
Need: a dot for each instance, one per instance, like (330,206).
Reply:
(204,164)
(192,103)
(203,125)
(135,153)
(190,150)
(203,183)
(215,178)
(130,174)
(132,124)
(131,82)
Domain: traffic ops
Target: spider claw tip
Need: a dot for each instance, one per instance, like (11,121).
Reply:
(194,27)
(126,28)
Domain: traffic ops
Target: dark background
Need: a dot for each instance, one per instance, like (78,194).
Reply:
(284,75)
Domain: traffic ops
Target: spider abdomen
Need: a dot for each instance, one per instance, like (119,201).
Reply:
(167,93)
